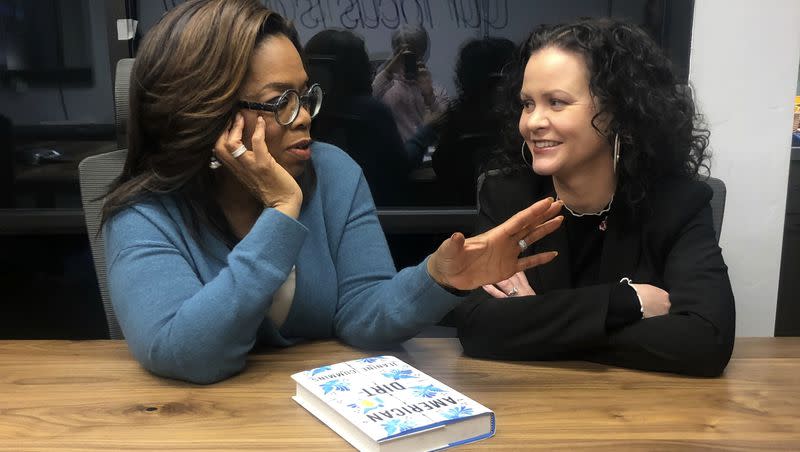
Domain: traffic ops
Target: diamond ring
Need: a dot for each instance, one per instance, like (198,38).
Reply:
(522,244)
(513,291)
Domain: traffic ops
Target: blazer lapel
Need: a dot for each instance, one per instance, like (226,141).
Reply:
(556,273)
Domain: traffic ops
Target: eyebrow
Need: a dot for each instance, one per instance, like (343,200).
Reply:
(557,91)
(548,93)
(280,86)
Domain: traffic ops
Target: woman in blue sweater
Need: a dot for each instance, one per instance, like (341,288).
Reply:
(229,227)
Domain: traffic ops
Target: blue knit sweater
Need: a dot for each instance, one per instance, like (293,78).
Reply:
(193,311)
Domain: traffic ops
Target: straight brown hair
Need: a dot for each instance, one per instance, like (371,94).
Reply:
(183,92)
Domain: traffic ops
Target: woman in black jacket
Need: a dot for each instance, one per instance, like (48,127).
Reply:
(639,280)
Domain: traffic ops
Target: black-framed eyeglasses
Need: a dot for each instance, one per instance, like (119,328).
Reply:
(287,107)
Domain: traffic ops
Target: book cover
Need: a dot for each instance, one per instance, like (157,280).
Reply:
(383,404)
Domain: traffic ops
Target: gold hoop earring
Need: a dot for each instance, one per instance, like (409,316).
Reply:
(530,165)
(616,152)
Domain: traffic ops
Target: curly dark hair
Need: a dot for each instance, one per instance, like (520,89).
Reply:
(633,82)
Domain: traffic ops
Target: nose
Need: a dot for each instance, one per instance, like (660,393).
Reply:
(303,119)
(536,120)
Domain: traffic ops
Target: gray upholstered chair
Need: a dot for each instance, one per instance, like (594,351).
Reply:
(121,98)
(717,203)
(95,174)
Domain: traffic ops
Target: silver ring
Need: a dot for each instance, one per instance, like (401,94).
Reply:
(238,152)
(513,291)
(522,244)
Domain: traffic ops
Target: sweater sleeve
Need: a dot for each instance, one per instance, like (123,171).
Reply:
(378,307)
(176,325)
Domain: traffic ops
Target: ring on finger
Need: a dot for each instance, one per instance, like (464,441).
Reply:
(238,152)
(522,244)
(513,291)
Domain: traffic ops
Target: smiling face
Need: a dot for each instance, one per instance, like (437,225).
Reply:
(275,67)
(556,119)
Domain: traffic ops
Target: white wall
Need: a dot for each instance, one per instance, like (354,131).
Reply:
(744,64)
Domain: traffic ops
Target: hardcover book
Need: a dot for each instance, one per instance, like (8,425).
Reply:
(383,404)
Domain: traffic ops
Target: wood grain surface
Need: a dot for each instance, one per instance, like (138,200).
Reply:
(92,395)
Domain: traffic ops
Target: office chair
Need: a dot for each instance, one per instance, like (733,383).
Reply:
(95,174)
(121,95)
(717,203)
(459,165)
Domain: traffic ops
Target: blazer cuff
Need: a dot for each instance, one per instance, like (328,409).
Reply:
(623,306)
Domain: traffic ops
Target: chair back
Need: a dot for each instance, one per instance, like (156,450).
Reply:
(96,174)
(717,203)
(121,100)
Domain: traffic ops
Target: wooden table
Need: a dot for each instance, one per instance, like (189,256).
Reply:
(85,396)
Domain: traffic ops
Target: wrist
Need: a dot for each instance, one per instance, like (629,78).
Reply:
(433,272)
(439,279)
(289,208)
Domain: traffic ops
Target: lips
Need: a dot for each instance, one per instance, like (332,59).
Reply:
(541,146)
(300,149)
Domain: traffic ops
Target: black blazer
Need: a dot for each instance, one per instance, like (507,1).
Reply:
(669,243)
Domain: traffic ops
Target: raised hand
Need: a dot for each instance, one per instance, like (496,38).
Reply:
(494,255)
(257,170)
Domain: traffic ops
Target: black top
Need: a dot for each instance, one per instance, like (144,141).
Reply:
(669,243)
(585,237)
